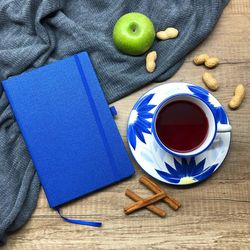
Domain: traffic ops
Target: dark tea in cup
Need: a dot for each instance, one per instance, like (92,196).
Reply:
(185,124)
(181,125)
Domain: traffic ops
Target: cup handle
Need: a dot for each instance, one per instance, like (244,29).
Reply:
(222,128)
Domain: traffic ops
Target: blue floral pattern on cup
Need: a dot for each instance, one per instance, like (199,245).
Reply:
(157,162)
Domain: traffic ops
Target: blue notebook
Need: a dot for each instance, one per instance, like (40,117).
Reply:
(68,129)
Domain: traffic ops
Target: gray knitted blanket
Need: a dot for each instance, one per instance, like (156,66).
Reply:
(37,32)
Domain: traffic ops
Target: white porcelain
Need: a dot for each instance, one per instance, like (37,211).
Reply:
(212,124)
(154,159)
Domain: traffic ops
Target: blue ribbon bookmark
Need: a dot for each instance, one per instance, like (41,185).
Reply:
(81,222)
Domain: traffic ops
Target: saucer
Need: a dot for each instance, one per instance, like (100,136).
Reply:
(157,162)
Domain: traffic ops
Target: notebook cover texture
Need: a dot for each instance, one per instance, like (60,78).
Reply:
(68,128)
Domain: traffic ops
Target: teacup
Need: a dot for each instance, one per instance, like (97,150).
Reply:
(184,125)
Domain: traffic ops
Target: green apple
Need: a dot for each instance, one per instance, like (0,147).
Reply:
(133,34)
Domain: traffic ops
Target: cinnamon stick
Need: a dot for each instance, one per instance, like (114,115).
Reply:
(144,203)
(174,204)
(154,209)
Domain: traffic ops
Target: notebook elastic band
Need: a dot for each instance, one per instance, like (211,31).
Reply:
(96,115)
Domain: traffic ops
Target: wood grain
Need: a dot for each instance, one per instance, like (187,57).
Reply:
(214,214)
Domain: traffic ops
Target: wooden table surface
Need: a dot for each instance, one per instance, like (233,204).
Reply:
(215,214)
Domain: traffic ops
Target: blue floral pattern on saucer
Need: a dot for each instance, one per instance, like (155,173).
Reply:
(186,172)
(138,122)
(157,162)
(218,111)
